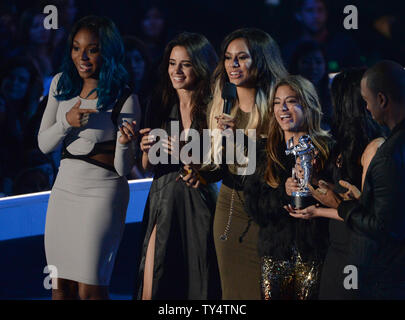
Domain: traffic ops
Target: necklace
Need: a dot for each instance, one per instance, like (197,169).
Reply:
(224,236)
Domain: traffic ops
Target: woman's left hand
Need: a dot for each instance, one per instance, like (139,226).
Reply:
(127,132)
(307,213)
(352,192)
(313,211)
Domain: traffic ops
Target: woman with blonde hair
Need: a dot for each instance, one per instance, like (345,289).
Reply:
(291,250)
(251,61)
(358,138)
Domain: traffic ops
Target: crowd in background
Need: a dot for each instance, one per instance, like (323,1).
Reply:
(313,40)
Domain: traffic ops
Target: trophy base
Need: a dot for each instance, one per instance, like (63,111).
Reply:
(301,202)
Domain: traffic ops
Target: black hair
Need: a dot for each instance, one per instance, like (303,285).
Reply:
(387,77)
(352,127)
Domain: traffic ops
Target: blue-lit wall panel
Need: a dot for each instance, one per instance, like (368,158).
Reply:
(24,216)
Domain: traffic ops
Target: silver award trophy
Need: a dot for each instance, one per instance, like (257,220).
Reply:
(304,150)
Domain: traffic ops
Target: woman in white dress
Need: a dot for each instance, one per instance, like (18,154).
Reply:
(93,116)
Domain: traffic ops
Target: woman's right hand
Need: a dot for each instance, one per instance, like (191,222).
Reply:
(225,121)
(291,185)
(190,177)
(147,140)
(77,117)
(352,192)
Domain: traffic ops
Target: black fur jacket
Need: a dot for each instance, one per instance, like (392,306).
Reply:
(279,232)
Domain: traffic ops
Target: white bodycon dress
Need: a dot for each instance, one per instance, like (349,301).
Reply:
(87,207)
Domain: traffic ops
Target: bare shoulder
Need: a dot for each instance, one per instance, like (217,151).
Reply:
(374,145)
(371,149)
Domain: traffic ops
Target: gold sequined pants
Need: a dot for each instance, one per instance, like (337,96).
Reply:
(290,280)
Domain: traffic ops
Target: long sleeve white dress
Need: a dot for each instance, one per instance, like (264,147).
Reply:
(88,203)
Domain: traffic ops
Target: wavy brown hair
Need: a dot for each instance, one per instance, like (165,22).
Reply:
(308,99)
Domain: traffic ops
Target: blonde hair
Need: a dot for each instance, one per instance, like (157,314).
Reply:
(258,117)
(309,100)
(267,67)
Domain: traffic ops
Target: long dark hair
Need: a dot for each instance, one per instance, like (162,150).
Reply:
(112,76)
(352,127)
(204,59)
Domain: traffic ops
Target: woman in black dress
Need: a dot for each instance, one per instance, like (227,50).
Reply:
(177,256)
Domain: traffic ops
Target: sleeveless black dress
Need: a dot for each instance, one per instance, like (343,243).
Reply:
(339,254)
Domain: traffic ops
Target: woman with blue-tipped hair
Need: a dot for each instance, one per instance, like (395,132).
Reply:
(92,115)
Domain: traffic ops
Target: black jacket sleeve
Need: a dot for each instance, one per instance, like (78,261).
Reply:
(380,212)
